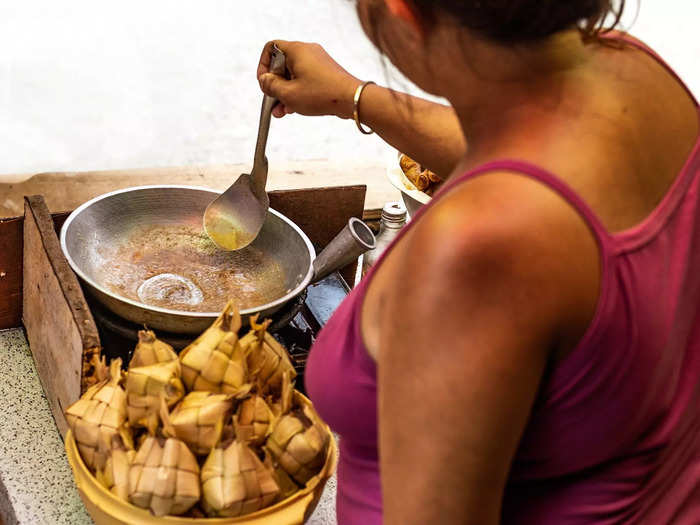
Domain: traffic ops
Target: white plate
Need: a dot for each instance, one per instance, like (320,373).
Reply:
(412,197)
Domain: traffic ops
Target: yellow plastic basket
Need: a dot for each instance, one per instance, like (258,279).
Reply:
(106,509)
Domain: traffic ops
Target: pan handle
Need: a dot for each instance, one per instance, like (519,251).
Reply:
(352,241)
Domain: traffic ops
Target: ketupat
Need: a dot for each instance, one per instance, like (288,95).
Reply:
(97,416)
(284,481)
(151,350)
(253,420)
(145,385)
(194,419)
(283,403)
(298,443)
(267,360)
(235,482)
(280,407)
(215,361)
(115,475)
(164,475)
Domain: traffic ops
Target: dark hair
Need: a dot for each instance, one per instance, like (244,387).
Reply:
(523,21)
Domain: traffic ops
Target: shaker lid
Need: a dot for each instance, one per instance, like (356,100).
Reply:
(394,211)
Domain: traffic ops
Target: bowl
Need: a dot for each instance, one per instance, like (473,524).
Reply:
(412,198)
(106,509)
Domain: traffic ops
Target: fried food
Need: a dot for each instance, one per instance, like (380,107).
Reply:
(423,179)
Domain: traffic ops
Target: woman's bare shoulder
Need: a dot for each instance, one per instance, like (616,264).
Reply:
(510,240)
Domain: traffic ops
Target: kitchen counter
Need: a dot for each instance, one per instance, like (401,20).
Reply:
(36,483)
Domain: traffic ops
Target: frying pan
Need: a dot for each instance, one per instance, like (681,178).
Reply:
(107,239)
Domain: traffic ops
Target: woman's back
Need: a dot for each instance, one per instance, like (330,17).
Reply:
(618,130)
(614,434)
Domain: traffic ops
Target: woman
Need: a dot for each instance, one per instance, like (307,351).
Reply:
(528,351)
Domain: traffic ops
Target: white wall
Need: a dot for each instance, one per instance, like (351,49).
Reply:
(671,27)
(87,84)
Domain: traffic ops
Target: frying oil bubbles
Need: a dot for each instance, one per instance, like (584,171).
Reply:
(179,267)
(170,288)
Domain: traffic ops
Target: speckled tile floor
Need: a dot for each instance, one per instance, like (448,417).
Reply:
(325,511)
(36,484)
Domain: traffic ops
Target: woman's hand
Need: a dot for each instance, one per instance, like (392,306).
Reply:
(317,84)
(427,132)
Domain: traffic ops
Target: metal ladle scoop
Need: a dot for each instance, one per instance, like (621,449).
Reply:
(234,219)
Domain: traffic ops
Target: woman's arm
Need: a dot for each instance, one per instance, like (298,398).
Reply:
(466,334)
(428,132)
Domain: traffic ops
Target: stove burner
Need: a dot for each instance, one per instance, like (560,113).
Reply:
(295,325)
(112,324)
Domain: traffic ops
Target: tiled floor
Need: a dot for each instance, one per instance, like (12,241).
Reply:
(38,483)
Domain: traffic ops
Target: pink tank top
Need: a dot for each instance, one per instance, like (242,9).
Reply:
(614,435)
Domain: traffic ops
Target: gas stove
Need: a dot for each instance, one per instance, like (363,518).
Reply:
(296,325)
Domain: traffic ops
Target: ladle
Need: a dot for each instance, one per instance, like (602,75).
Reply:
(234,219)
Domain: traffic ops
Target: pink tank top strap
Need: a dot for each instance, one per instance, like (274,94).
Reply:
(605,241)
(520,168)
(546,178)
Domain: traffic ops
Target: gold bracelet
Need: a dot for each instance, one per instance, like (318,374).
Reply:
(356,107)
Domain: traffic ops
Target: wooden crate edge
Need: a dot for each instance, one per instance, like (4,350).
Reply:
(70,287)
